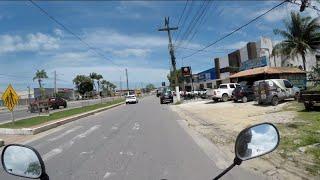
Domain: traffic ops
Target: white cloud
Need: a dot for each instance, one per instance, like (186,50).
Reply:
(106,38)
(31,42)
(283,12)
(131,52)
(236,45)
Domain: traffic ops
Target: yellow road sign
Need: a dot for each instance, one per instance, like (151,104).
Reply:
(10,98)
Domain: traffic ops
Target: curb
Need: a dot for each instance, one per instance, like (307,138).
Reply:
(33,131)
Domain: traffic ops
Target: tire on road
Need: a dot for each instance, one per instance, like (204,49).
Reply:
(224,97)
(244,99)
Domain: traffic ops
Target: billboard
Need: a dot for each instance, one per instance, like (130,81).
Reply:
(186,71)
(209,74)
(254,63)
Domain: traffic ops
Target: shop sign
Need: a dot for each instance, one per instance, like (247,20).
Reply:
(254,63)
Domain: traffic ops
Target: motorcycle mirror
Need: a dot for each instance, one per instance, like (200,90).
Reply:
(23,161)
(256,141)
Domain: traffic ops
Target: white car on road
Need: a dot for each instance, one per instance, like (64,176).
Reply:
(131,99)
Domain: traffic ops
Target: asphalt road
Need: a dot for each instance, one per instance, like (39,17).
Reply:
(24,113)
(141,141)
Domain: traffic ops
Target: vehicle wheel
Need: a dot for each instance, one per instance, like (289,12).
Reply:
(161,102)
(40,109)
(275,101)
(244,99)
(225,97)
(65,106)
(296,96)
(57,107)
(46,108)
(235,100)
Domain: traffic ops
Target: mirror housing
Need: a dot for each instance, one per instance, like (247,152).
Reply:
(257,140)
(22,161)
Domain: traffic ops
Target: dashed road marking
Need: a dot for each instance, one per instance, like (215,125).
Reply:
(136,126)
(107,175)
(52,153)
(65,133)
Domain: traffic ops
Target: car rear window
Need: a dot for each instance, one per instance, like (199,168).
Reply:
(223,86)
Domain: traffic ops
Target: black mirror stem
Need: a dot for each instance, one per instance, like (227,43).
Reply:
(44,176)
(236,161)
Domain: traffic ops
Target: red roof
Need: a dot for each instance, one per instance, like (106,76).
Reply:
(268,70)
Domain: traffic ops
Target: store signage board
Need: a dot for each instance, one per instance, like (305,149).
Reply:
(254,63)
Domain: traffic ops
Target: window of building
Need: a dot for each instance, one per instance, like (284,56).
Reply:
(209,85)
(201,86)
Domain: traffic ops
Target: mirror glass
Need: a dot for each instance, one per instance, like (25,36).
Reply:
(21,161)
(256,141)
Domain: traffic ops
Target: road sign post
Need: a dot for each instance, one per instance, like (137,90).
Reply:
(10,99)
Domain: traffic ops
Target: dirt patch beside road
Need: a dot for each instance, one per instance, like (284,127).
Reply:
(221,122)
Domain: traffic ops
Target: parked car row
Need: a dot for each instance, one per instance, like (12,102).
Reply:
(270,91)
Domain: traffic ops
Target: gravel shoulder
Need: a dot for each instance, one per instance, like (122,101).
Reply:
(221,122)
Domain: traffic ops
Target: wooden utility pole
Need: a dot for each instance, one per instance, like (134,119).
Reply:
(171,52)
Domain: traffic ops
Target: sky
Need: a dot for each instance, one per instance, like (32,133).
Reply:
(126,34)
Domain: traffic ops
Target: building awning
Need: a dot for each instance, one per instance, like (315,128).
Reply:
(268,70)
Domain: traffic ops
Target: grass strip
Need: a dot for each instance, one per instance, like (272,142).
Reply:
(29,122)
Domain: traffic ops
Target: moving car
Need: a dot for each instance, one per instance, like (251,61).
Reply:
(271,91)
(131,99)
(244,93)
(166,97)
(224,92)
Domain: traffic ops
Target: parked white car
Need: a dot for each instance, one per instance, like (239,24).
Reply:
(224,92)
(131,99)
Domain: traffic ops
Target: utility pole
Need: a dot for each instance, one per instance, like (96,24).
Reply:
(29,95)
(55,84)
(120,86)
(171,52)
(127,79)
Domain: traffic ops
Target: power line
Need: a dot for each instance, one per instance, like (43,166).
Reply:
(186,4)
(193,22)
(190,9)
(202,21)
(234,31)
(72,33)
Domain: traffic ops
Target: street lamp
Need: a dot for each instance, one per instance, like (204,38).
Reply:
(274,58)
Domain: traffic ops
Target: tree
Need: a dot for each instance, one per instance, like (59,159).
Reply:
(150,87)
(83,84)
(98,78)
(34,169)
(171,78)
(315,75)
(93,77)
(302,35)
(40,75)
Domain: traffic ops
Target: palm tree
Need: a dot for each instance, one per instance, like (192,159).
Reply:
(40,75)
(98,78)
(302,35)
(105,85)
(93,77)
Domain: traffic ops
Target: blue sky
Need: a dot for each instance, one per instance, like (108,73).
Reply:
(125,32)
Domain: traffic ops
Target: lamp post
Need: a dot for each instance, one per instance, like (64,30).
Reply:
(274,58)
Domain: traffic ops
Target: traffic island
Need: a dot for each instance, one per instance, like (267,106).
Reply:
(35,125)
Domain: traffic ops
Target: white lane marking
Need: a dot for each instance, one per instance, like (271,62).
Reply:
(52,153)
(65,133)
(114,128)
(84,152)
(121,153)
(108,174)
(105,137)
(136,126)
(86,133)
(68,144)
